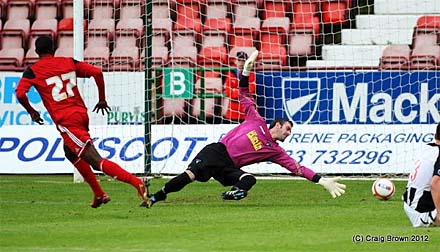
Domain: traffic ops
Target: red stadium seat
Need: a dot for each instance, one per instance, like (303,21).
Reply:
(245,40)
(269,39)
(97,55)
(183,40)
(334,11)
(303,24)
(395,57)
(213,56)
(212,86)
(102,26)
(272,50)
(47,27)
(275,9)
(161,10)
(428,24)
(65,40)
(217,25)
(104,9)
(159,56)
(64,52)
(19,9)
(217,20)
(132,9)
(183,56)
(424,39)
(97,40)
(46,9)
(65,33)
(127,38)
(124,58)
(276,25)
(306,8)
(188,17)
(159,40)
(217,10)
(132,25)
(426,31)
(425,57)
(301,44)
(66,8)
(15,33)
(66,25)
(247,25)
(11,58)
(245,8)
(213,40)
(162,26)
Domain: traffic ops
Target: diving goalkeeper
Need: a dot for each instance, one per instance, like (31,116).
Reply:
(250,142)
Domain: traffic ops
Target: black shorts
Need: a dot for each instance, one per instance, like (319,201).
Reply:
(213,161)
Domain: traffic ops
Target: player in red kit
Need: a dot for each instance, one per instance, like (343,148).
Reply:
(55,80)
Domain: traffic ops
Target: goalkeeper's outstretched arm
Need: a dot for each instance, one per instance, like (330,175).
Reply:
(246,100)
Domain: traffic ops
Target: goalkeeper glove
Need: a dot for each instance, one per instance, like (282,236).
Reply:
(334,188)
(247,68)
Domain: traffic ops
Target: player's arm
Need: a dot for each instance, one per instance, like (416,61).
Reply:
(246,100)
(85,70)
(21,93)
(330,184)
(435,192)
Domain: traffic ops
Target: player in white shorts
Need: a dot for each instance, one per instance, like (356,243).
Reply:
(422,195)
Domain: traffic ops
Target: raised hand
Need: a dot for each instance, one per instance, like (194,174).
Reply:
(102,105)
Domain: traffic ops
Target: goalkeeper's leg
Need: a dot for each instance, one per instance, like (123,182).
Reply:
(241,185)
(174,185)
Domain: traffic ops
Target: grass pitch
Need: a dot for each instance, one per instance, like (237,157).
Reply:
(50,213)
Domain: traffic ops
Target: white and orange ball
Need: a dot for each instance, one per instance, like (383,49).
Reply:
(383,188)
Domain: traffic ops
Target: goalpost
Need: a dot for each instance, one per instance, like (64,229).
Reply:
(319,67)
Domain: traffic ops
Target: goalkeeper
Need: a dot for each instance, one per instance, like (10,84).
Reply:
(250,142)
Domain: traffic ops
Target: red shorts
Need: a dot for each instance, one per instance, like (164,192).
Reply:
(75,132)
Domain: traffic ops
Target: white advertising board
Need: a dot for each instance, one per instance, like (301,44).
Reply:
(326,149)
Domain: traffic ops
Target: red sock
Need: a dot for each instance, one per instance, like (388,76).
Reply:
(114,170)
(84,168)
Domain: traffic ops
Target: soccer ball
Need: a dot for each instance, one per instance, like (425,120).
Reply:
(383,188)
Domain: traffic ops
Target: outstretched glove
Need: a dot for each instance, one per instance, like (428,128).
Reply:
(334,188)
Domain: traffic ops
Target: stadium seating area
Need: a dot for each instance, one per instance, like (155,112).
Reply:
(210,32)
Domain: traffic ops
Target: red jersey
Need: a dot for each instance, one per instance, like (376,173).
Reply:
(55,80)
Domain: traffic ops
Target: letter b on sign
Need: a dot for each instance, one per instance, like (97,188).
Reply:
(178,83)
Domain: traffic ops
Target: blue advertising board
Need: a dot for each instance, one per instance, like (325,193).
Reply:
(350,97)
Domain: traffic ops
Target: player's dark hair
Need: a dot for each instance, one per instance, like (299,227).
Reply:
(44,45)
(280,121)
(437,133)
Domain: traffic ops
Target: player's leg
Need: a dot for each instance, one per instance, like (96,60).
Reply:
(241,183)
(84,169)
(420,219)
(74,131)
(91,156)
